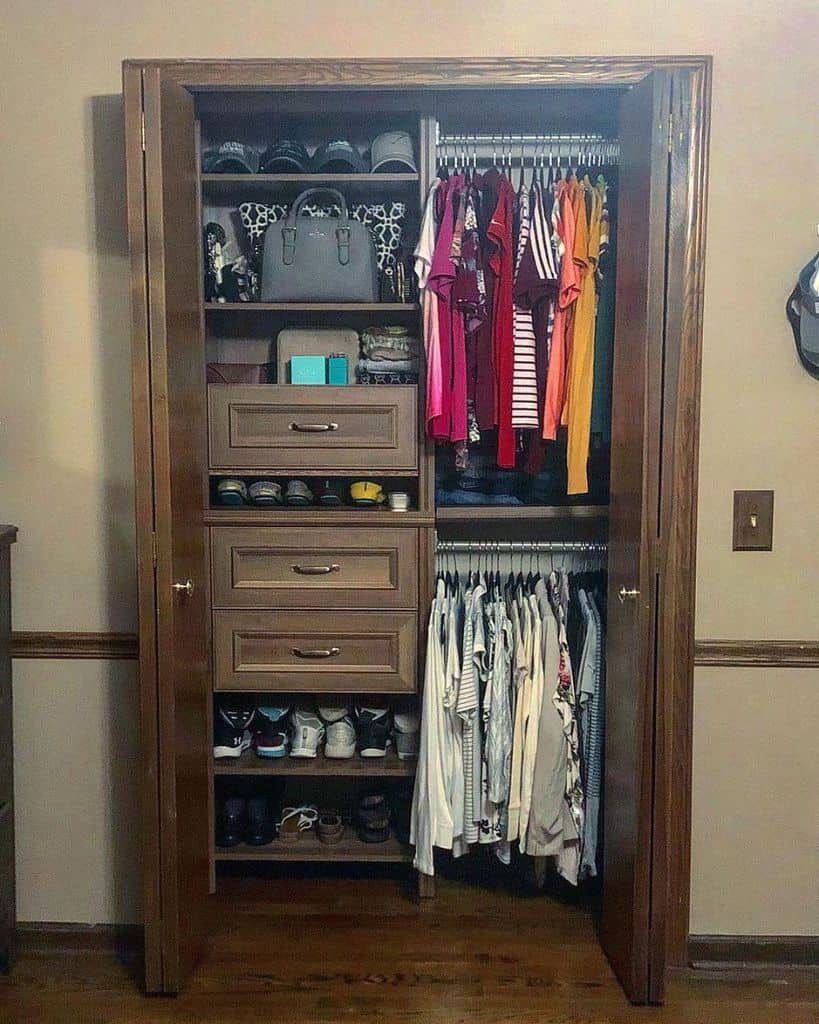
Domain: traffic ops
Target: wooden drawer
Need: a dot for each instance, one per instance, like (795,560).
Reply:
(291,428)
(314,567)
(315,652)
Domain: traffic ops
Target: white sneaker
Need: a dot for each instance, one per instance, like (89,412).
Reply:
(307,732)
(406,727)
(341,738)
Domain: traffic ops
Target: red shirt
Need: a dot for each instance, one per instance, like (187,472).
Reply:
(501,261)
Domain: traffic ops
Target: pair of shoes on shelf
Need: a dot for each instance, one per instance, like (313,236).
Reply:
(264,728)
(379,815)
(240,820)
(264,493)
(276,731)
(295,822)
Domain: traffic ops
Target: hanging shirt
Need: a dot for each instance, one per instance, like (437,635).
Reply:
(544,836)
(424,252)
(569,289)
(577,413)
(451,424)
(524,380)
(501,260)
(431,822)
(532,722)
(565,700)
(592,721)
(467,707)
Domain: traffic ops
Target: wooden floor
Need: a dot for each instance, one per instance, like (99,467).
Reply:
(319,949)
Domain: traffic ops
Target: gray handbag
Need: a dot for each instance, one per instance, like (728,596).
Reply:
(319,259)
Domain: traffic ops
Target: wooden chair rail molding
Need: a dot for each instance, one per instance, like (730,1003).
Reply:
(102,646)
(757,653)
(727,653)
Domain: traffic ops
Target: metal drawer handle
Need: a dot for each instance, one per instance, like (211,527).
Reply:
(313,428)
(327,652)
(315,570)
(627,592)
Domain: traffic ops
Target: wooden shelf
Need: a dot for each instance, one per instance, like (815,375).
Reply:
(309,848)
(310,307)
(470,513)
(217,182)
(353,767)
(314,517)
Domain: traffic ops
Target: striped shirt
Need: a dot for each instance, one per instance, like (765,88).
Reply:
(524,377)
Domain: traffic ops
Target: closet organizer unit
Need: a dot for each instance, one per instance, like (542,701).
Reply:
(235,602)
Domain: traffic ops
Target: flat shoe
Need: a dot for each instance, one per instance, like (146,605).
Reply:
(296,820)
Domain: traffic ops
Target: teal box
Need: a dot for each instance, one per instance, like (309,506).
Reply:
(308,370)
(337,370)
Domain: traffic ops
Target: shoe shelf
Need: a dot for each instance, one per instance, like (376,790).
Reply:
(310,307)
(281,516)
(353,767)
(217,184)
(309,848)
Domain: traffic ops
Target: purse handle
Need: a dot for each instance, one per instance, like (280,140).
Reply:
(289,231)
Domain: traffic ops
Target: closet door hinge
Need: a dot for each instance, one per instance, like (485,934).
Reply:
(153,549)
(142,129)
(670,133)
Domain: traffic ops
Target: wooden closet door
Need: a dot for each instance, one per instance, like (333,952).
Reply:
(178,443)
(628,796)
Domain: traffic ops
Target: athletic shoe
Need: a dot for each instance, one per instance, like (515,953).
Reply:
(270,732)
(307,732)
(231,821)
(231,492)
(341,736)
(261,829)
(405,731)
(231,732)
(373,731)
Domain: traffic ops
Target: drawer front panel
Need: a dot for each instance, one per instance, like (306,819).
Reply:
(319,567)
(273,428)
(315,652)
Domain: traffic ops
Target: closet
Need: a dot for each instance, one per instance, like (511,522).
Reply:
(314,601)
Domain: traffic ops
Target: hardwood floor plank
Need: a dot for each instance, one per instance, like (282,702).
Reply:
(325,950)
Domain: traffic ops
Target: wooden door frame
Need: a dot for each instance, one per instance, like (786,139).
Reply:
(676,553)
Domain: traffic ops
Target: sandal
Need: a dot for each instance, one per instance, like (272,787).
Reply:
(330,827)
(295,820)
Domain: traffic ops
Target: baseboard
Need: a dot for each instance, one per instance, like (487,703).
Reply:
(749,950)
(59,936)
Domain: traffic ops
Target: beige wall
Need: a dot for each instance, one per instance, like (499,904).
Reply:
(65,415)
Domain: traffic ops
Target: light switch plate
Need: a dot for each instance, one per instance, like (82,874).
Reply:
(753,520)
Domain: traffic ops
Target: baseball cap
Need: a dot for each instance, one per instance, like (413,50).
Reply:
(392,151)
(339,157)
(285,156)
(803,313)
(232,157)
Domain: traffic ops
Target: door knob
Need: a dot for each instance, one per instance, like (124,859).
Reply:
(187,586)
(628,592)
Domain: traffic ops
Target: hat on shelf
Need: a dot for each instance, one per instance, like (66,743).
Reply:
(338,156)
(392,151)
(803,314)
(232,157)
(285,157)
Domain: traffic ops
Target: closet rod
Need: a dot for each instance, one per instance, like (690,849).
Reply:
(506,546)
(501,138)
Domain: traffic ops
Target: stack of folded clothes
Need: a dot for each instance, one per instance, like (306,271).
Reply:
(481,483)
(388,356)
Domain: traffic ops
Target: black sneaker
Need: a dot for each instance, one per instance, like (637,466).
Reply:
(374,726)
(231,821)
(231,731)
(260,827)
